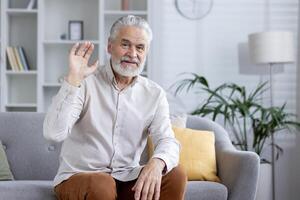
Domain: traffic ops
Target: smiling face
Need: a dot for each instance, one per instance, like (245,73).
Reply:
(128,51)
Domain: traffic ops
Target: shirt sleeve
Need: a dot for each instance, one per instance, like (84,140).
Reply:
(166,146)
(63,112)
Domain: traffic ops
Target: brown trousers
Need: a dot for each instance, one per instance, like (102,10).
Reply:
(96,186)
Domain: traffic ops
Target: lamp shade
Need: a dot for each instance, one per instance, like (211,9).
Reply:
(271,47)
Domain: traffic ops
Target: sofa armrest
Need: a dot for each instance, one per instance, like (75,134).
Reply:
(238,171)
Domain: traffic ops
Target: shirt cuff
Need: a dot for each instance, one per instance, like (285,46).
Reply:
(68,92)
(168,166)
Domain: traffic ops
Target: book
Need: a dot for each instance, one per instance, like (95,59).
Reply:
(12,59)
(19,63)
(23,58)
(9,59)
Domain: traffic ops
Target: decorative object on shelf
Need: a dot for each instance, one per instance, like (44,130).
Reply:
(76,30)
(31,4)
(125,4)
(63,36)
(61,79)
(194,9)
(271,48)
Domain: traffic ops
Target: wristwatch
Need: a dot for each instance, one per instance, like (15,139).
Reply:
(194,9)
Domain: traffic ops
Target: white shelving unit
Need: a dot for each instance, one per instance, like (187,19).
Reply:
(38,31)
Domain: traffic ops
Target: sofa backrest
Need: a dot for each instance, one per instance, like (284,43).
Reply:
(30,155)
(222,140)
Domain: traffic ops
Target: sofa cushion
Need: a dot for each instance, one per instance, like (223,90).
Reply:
(37,190)
(27,190)
(205,190)
(5,173)
(197,154)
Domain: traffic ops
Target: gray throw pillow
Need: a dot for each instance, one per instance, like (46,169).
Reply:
(5,173)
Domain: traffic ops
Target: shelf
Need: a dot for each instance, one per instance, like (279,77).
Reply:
(20,11)
(68,41)
(39,31)
(21,105)
(22,4)
(125,12)
(51,85)
(31,72)
(22,89)
(57,15)
(22,32)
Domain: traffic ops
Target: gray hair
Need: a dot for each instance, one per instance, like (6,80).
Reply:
(130,20)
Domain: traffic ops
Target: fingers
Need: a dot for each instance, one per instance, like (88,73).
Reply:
(89,70)
(145,190)
(89,51)
(157,191)
(83,48)
(151,191)
(138,188)
(74,49)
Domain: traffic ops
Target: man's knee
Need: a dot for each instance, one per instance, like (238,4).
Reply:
(101,186)
(90,186)
(174,184)
(177,177)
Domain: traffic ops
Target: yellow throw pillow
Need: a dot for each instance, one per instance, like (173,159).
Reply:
(197,154)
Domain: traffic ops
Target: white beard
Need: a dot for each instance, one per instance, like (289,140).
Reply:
(128,71)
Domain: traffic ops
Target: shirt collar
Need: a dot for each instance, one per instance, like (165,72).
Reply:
(112,78)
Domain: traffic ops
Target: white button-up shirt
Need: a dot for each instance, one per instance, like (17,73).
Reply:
(105,129)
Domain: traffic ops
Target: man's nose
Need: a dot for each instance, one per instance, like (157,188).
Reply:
(132,52)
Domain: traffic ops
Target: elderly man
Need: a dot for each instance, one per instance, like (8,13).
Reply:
(104,116)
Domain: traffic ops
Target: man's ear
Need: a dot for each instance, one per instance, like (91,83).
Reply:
(109,47)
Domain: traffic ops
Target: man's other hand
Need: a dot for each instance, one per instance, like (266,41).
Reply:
(148,184)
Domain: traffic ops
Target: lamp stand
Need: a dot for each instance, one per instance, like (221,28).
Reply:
(272,135)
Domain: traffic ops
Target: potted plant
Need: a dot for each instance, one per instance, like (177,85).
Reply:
(250,122)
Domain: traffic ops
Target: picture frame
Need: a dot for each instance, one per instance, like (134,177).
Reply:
(75,30)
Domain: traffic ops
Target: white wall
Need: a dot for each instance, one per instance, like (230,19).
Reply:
(210,47)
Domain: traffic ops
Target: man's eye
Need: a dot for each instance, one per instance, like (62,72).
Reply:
(140,48)
(125,45)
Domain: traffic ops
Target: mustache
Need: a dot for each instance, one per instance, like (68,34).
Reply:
(133,60)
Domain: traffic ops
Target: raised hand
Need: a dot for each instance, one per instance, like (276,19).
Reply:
(78,63)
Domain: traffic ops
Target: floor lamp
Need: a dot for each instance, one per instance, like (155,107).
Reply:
(273,47)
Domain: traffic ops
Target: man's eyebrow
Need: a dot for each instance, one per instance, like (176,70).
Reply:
(125,40)
(128,41)
(141,46)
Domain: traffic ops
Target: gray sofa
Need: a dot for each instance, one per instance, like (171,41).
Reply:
(34,162)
